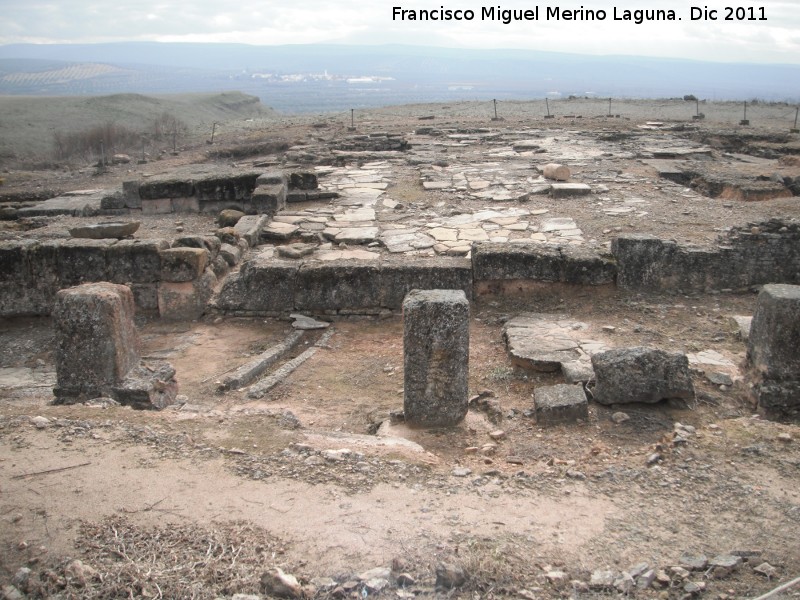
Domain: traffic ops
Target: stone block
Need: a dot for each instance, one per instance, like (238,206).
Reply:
(249,228)
(436,357)
(303,181)
(130,192)
(113,201)
(96,343)
(230,254)
(648,375)
(510,260)
(151,386)
(183,264)
(135,261)
(400,275)
(559,404)
(81,261)
(263,285)
(161,206)
(773,347)
(145,296)
(165,188)
(639,260)
(210,242)
(338,284)
(269,199)
(272,178)
(14,261)
(537,262)
(584,266)
(186,301)
(778,400)
(229,187)
(189,204)
(569,190)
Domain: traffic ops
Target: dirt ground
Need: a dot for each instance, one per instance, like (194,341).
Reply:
(319,479)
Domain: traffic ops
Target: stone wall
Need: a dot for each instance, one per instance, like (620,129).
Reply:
(252,192)
(272,287)
(759,253)
(177,282)
(500,267)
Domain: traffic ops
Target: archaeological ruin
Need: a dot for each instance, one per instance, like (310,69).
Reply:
(460,328)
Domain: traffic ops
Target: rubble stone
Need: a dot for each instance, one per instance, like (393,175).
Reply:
(558,404)
(639,374)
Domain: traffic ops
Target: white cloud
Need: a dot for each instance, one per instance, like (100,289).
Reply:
(358,21)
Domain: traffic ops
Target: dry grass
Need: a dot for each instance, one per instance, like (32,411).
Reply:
(121,560)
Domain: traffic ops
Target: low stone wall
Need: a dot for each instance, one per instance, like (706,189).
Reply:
(272,287)
(500,267)
(759,253)
(176,281)
(252,192)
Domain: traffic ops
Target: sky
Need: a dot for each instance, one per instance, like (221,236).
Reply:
(270,22)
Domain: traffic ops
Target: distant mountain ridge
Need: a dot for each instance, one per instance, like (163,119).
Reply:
(306,78)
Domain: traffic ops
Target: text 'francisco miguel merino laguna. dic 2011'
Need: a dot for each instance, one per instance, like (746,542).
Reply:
(556,13)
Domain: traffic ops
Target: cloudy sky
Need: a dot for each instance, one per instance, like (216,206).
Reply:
(776,40)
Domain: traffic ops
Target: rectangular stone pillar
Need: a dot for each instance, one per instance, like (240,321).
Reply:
(774,343)
(97,350)
(96,341)
(436,357)
(772,349)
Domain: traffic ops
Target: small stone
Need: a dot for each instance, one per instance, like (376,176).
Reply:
(624,583)
(765,569)
(579,586)
(609,328)
(22,576)
(680,572)
(692,587)
(305,323)
(558,579)
(620,417)
(40,422)
(654,458)
(79,573)
(497,435)
(638,569)
(718,378)
(724,564)
(461,472)
(376,585)
(449,576)
(335,455)
(10,592)
(784,437)
(694,562)
(229,218)
(601,579)
(575,474)
(405,580)
(662,579)
(376,573)
(280,584)
(645,580)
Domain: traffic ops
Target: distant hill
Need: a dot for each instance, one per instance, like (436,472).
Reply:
(318,78)
(28,124)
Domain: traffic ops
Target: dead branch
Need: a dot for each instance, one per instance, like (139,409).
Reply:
(48,471)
